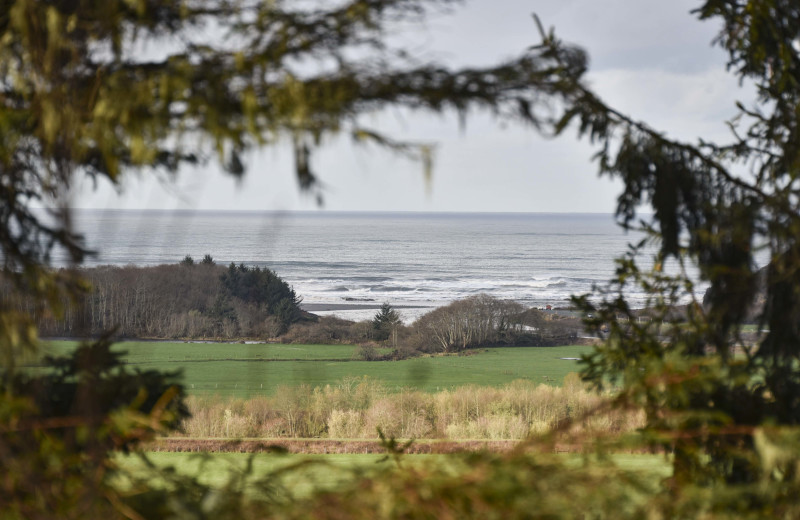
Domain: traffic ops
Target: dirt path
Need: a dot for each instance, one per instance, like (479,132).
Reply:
(319,446)
(329,446)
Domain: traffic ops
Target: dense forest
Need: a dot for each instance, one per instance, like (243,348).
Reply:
(185,300)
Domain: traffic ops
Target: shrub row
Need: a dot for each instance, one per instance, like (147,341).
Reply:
(357,407)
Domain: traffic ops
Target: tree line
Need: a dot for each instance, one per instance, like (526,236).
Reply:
(185,300)
(203,300)
(476,321)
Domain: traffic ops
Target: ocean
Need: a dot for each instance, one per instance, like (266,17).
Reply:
(412,260)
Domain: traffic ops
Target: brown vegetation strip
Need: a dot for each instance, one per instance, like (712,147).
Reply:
(320,446)
(328,446)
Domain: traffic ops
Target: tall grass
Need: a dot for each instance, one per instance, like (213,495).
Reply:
(356,407)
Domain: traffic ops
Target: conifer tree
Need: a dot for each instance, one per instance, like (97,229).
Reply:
(385,322)
(724,406)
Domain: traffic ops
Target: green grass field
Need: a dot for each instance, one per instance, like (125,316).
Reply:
(299,473)
(159,352)
(325,472)
(249,370)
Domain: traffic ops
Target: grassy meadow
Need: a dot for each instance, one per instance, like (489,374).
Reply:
(249,370)
(264,391)
(304,474)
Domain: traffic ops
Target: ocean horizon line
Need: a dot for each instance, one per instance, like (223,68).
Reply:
(345,213)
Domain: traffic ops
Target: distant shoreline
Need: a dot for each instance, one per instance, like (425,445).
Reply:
(364,306)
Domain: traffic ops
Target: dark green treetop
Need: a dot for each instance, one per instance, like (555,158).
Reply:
(385,321)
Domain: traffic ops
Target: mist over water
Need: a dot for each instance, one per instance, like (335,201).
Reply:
(406,259)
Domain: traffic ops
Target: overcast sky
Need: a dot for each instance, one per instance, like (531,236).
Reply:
(649,58)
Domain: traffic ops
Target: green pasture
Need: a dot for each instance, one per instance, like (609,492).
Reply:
(303,473)
(258,369)
(158,352)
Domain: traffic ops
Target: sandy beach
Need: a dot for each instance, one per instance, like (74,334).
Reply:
(361,310)
(360,306)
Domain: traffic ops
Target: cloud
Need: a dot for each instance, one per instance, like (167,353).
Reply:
(686,106)
(633,34)
(650,59)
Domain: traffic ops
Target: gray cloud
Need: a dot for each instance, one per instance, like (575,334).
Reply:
(650,58)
